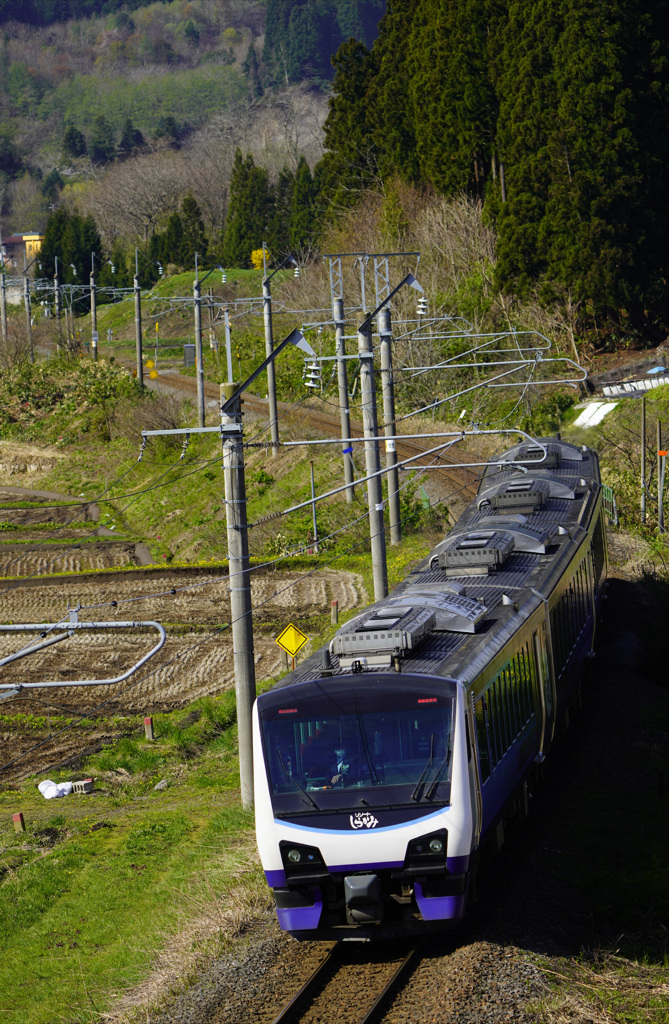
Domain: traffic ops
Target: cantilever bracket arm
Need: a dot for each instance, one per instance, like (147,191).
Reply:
(294,338)
(410,280)
(71,626)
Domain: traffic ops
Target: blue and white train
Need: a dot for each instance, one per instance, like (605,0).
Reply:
(389,760)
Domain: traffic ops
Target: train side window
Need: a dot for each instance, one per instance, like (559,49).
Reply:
(482,737)
(503,712)
(524,685)
(516,677)
(495,750)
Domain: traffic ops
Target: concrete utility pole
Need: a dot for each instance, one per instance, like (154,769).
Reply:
(240,589)
(313,507)
(56,299)
(138,324)
(199,359)
(26,300)
(661,462)
(271,375)
(94,312)
(372,463)
(643,459)
(342,381)
(388,389)
(3,307)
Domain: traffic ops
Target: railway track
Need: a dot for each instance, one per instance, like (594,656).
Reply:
(465,480)
(351,989)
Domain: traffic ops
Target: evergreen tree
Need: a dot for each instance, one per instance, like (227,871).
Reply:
(303,212)
(301,37)
(392,120)
(74,142)
(191,33)
(72,238)
(250,211)
(251,69)
(167,128)
(101,145)
(350,162)
(278,235)
(172,246)
(194,237)
(452,98)
(577,168)
(131,139)
(52,185)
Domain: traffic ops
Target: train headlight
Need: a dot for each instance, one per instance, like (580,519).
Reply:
(427,851)
(301,860)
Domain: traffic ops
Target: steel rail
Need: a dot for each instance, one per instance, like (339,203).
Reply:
(404,968)
(291,1011)
(304,989)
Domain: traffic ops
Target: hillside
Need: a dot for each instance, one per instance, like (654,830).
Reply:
(89,87)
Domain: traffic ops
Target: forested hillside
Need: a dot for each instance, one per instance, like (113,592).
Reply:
(86,87)
(549,112)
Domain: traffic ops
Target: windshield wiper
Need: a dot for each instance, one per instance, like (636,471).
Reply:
(365,745)
(291,778)
(414,795)
(437,778)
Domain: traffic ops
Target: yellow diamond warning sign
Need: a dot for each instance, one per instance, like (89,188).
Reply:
(292,639)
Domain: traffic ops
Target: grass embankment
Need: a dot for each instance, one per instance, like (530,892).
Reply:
(101,885)
(95,887)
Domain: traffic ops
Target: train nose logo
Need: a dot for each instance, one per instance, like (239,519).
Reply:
(363,819)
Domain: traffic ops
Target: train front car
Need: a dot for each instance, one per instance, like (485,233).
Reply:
(385,763)
(363,815)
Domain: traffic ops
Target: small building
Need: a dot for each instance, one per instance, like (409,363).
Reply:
(17,248)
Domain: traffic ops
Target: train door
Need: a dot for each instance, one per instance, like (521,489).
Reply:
(474,771)
(545,687)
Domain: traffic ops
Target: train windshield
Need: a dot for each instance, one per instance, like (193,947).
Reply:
(374,748)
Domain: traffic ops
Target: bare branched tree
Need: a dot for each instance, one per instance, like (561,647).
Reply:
(131,197)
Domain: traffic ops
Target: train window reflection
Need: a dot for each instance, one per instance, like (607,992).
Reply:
(360,742)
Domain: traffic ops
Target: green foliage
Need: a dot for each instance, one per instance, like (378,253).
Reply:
(548,112)
(52,185)
(194,237)
(301,37)
(101,145)
(156,836)
(74,142)
(71,239)
(44,12)
(39,397)
(251,69)
(160,105)
(251,207)
(131,139)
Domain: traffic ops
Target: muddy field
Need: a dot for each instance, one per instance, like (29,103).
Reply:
(20,560)
(193,663)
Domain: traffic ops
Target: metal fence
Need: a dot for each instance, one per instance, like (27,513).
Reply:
(609,503)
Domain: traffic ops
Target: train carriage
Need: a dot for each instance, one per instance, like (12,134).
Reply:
(387,761)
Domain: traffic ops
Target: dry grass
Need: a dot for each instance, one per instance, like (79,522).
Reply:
(211,920)
(609,989)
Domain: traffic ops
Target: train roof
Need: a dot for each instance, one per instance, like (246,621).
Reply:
(502,558)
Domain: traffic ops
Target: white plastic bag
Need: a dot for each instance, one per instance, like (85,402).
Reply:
(52,790)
